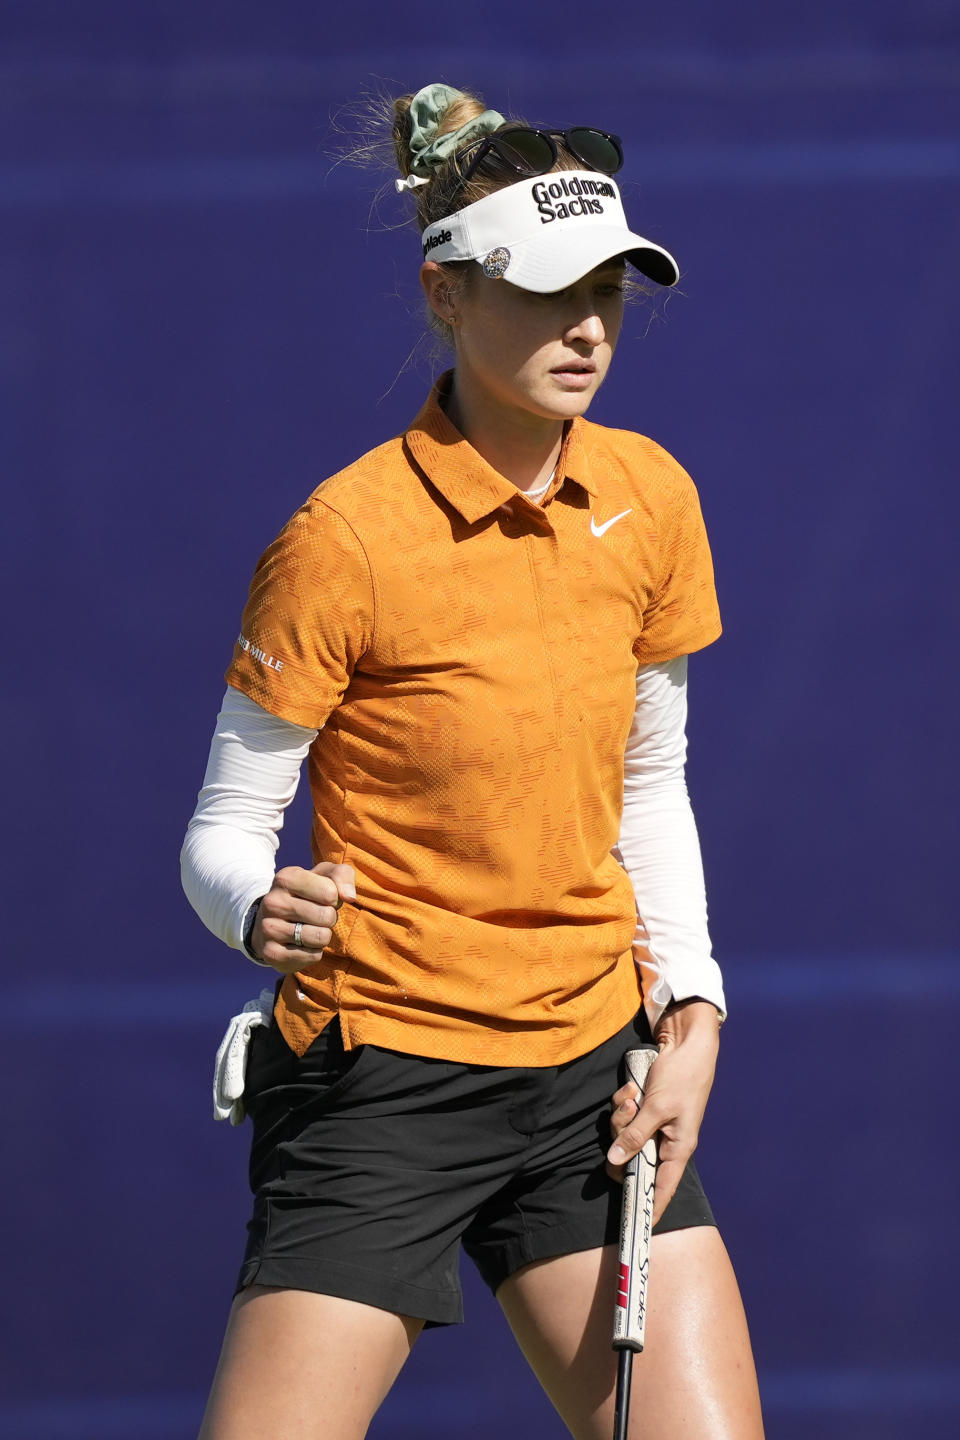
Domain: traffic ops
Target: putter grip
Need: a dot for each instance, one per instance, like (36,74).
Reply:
(630,1311)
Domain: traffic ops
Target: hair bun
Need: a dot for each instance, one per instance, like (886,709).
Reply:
(431,124)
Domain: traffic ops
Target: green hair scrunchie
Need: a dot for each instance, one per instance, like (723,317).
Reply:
(428,150)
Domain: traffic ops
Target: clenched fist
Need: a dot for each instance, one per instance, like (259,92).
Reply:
(297,915)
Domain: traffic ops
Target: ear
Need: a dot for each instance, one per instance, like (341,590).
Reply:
(438,290)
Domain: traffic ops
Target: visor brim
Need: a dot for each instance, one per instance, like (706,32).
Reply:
(542,264)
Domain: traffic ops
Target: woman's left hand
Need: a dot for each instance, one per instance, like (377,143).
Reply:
(677,1089)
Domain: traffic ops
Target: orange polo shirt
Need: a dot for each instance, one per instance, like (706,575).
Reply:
(469,659)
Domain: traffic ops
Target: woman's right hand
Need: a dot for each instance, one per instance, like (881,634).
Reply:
(308,897)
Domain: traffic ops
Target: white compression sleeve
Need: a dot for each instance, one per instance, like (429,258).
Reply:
(660,849)
(228,855)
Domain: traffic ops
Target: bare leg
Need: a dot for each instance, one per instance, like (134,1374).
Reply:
(695,1379)
(300,1366)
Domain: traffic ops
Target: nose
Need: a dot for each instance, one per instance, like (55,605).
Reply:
(588,328)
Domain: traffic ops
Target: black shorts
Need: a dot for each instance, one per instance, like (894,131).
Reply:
(370,1166)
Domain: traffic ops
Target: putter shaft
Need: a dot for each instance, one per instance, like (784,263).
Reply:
(621,1411)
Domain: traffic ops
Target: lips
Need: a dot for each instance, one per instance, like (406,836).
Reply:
(575,375)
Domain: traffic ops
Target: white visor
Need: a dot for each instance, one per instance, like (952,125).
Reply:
(546,231)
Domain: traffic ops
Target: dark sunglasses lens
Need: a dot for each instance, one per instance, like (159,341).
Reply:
(526,150)
(596,150)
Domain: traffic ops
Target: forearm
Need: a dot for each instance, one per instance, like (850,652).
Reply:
(228,855)
(660,850)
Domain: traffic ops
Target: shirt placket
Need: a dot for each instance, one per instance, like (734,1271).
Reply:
(542,546)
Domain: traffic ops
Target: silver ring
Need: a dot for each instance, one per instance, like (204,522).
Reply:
(297,933)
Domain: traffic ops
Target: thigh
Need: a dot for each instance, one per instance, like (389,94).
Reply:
(298,1363)
(695,1378)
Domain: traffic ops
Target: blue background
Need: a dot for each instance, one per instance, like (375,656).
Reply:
(202,317)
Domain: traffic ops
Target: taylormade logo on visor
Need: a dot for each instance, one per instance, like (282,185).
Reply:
(559,199)
(442,237)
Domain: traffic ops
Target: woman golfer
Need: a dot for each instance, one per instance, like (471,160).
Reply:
(476,636)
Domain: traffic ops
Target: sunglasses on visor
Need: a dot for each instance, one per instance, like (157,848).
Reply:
(525,151)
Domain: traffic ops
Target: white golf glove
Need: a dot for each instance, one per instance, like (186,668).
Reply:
(230,1069)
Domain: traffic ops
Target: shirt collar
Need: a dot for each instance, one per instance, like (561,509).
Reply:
(462,475)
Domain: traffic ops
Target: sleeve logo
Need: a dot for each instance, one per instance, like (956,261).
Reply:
(270,661)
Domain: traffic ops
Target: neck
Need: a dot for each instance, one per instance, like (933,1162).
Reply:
(524,448)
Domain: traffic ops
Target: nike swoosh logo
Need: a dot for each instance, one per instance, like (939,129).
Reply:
(599,530)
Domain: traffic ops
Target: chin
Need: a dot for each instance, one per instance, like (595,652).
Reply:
(567,406)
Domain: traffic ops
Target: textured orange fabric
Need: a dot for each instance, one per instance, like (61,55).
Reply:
(471,670)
